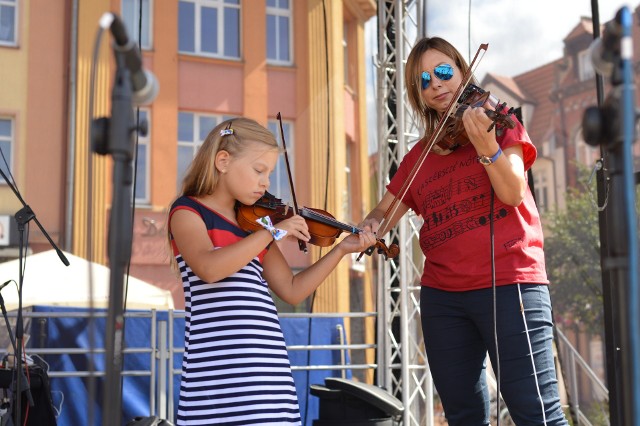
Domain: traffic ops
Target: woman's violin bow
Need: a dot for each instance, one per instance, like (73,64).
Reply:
(316,216)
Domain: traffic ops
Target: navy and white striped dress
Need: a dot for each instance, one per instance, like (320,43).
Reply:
(235,369)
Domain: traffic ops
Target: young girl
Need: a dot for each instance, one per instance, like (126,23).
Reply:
(235,368)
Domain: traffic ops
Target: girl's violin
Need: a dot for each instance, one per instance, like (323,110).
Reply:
(454,135)
(323,227)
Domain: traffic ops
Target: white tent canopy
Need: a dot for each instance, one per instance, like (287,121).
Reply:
(47,281)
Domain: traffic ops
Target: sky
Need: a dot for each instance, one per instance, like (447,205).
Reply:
(522,34)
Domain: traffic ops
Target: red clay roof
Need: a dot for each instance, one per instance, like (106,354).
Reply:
(538,85)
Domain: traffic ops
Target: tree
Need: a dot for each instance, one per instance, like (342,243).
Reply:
(572,250)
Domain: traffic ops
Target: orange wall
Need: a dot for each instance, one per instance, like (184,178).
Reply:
(217,88)
(46,119)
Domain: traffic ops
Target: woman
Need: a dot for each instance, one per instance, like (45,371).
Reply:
(468,197)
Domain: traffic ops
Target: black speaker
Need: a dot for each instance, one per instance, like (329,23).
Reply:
(42,413)
(347,402)
(148,421)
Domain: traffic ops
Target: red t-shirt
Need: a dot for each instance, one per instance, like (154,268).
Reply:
(452,195)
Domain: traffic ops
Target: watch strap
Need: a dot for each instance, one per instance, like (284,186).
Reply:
(486,160)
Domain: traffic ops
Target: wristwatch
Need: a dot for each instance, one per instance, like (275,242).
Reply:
(485,160)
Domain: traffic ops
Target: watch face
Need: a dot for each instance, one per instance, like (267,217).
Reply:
(484,160)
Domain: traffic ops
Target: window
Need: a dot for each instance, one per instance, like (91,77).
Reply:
(8,19)
(209,28)
(192,132)
(143,162)
(6,145)
(345,52)
(585,154)
(347,195)
(541,185)
(585,67)
(132,12)
(279,20)
(280,178)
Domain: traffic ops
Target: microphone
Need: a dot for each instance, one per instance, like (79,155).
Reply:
(143,82)
(4,284)
(604,50)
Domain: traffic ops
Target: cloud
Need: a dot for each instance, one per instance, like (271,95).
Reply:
(522,35)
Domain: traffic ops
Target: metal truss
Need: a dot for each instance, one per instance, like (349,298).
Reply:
(403,368)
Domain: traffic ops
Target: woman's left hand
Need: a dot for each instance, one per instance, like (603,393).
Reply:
(476,123)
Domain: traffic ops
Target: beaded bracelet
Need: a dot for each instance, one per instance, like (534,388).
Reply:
(276,233)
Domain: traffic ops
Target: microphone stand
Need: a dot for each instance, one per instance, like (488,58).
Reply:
(19,374)
(23,216)
(114,136)
(625,245)
(613,126)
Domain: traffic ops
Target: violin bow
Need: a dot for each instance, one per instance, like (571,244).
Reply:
(393,207)
(301,244)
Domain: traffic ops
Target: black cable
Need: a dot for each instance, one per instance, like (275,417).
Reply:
(469,30)
(493,289)
(326,194)
(326,69)
(133,184)
(91,380)
(135,166)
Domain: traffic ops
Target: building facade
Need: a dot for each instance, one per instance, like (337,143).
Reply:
(553,98)
(213,59)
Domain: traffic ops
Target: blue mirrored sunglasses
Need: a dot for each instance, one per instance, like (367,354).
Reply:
(444,72)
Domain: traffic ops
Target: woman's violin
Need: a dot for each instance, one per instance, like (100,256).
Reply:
(323,227)
(454,135)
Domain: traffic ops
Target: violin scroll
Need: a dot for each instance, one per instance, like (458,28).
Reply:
(454,134)
(390,252)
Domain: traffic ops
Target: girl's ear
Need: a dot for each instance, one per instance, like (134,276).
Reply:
(222,160)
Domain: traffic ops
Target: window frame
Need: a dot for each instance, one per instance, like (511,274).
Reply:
(219,5)
(274,127)
(196,142)
(542,184)
(584,153)
(146,142)
(585,67)
(16,19)
(11,140)
(280,12)
(149,18)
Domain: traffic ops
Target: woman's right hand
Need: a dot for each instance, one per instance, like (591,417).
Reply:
(296,227)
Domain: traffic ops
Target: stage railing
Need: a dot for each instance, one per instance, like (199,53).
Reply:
(161,350)
(575,367)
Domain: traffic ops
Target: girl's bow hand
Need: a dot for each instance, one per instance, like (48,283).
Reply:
(296,227)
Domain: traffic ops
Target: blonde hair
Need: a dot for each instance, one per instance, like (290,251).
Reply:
(202,176)
(232,136)
(412,72)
